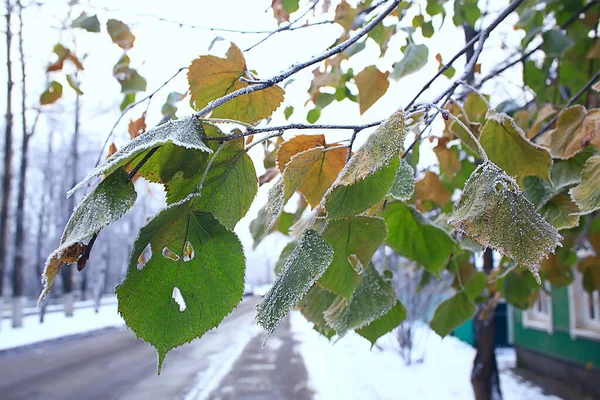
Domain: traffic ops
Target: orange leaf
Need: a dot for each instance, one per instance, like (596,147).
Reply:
(575,129)
(449,162)
(296,145)
(112,149)
(431,188)
(268,176)
(137,127)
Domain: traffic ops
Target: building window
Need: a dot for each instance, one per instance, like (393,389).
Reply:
(539,316)
(584,310)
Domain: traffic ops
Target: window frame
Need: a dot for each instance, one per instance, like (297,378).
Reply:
(581,326)
(534,319)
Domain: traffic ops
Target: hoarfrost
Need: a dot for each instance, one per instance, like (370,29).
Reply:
(184,132)
(404,182)
(302,269)
(493,211)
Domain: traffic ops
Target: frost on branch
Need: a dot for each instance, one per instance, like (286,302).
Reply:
(104,205)
(493,211)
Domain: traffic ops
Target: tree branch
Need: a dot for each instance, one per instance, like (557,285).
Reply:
(300,66)
(569,104)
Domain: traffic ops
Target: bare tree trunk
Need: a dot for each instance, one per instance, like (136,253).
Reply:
(19,256)
(67,270)
(484,376)
(6,178)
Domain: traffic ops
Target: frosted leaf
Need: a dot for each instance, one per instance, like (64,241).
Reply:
(293,175)
(379,152)
(313,306)
(184,132)
(104,205)
(206,264)
(493,211)
(384,324)
(372,299)
(304,266)
(404,182)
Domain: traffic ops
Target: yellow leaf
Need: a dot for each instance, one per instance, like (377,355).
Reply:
(137,127)
(431,188)
(587,193)
(449,162)
(372,84)
(213,77)
(575,130)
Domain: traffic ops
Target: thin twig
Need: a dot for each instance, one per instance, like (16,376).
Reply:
(300,66)
(569,104)
(129,107)
(285,27)
(574,17)
(144,160)
(352,139)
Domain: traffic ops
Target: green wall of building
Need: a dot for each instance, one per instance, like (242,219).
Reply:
(559,343)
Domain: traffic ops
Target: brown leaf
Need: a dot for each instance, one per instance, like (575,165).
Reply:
(449,162)
(112,149)
(280,14)
(268,176)
(120,34)
(431,188)
(69,255)
(575,129)
(372,84)
(137,127)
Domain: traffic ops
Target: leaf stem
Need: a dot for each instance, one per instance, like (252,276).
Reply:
(144,160)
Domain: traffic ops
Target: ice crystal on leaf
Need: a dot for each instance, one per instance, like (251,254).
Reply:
(493,211)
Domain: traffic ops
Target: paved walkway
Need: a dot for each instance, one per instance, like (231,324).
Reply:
(273,372)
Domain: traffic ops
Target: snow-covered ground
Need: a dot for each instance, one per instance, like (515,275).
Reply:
(57,325)
(349,369)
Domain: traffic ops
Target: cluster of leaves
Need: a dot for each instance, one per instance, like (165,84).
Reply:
(70,64)
(514,197)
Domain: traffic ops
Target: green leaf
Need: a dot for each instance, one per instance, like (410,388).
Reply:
(493,211)
(212,77)
(537,190)
(90,24)
(475,285)
(560,212)
(72,81)
(287,113)
(415,58)
(313,115)
(517,288)
(51,94)
(403,186)
(387,323)
(313,307)
(412,235)
(371,300)
(555,43)
(587,193)
(128,99)
(369,174)
(283,257)
(290,6)
(506,145)
(305,265)
(108,202)
(566,173)
(452,313)
(120,34)
(191,252)
(185,133)
(356,236)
